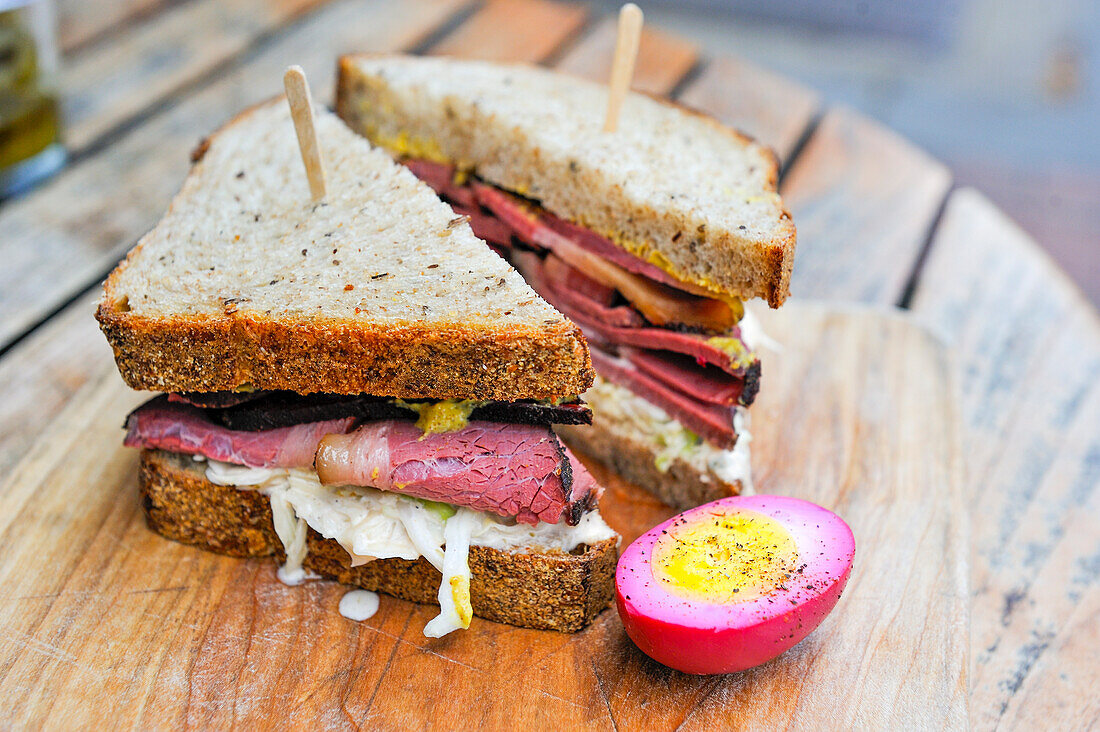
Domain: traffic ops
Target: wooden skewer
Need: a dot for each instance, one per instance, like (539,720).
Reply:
(622,67)
(301,110)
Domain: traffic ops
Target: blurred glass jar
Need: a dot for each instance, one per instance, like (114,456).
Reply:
(30,116)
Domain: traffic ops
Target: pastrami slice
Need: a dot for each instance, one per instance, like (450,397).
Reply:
(698,346)
(683,373)
(539,227)
(161,424)
(584,493)
(567,298)
(712,422)
(485,226)
(515,471)
(441,179)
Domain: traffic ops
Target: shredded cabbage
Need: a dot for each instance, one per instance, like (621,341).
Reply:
(455,611)
(373,524)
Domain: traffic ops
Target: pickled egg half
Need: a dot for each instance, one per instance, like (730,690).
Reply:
(734,583)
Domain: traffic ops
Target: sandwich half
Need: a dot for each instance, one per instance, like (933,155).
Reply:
(650,238)
(357,387)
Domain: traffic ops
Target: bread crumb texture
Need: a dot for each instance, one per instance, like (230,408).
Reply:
(670,185)
(377,288)
(244,236)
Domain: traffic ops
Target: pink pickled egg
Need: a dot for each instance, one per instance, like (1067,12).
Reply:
(734,583)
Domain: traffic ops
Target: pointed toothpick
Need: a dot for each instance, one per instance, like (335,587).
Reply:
(301,110)
(622,67)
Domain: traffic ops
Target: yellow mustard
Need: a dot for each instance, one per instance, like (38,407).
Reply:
(739,353)
(449,415)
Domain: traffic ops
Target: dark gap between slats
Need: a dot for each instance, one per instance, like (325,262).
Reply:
(800,145)
(690,77)
(571,41)
(446,28)
(910,289)
(122,26)
(189,88)
(174,96)
(60,307)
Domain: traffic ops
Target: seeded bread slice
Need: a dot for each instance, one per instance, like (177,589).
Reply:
(671,185)
(378,289)
(544,590)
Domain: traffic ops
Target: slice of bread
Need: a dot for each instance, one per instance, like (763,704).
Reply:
(671,185)
(681,485)
(536,589)
(380,288)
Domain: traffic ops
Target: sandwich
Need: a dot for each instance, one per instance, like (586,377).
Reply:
(356,386)
(650,238)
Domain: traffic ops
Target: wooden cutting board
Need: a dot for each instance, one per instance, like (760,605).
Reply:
(106,623)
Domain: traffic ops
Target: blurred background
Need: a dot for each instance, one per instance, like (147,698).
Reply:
(1005,92)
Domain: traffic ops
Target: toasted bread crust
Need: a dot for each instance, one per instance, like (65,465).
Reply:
(771,268)
(682,486)
(780,252)
(214,352)
(206,353)
(543,590)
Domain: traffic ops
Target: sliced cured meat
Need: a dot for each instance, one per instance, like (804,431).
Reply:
(712,422)
(522,217)
(534,413)
(610,251)
(585,492)
(284,409)
(562,276)
(164,425)
(739,362)
(659,303)
(486,226)
(441,179)
(517,471)
(534,271)
(683,373)
(216,399)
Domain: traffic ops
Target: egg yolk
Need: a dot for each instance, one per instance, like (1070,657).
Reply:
(725,557)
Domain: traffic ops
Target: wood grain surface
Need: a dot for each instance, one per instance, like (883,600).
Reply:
(1035,569)
(107,623)
(88,217)
(663,59)
(80,22)
(514,30)
(771,108)
(107,85)
(1028,346)
(43,373)
(864,201)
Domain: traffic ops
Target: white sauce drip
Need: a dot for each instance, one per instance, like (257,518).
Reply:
(359,604)
(752,333)
(736,464)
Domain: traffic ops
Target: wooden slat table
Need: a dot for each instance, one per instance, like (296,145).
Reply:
(878,223)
